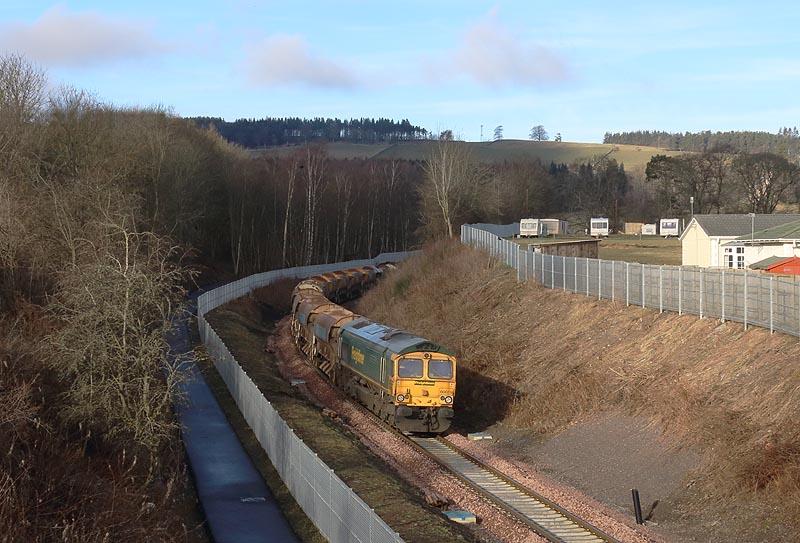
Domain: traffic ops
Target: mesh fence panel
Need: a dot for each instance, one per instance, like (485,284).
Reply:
(769,301)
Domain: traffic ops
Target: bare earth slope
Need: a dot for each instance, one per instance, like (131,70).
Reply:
(704,413)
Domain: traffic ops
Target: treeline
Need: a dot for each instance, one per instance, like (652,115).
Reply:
(98,208)
(786,142)
(459,189)
(105,216)
(255,133)
(722,182)
(307,208)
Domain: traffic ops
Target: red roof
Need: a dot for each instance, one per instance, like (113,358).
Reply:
(787,266)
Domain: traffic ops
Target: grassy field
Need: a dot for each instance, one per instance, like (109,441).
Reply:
(633,156)
(644,250)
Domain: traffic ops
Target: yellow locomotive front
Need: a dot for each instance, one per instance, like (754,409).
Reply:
(424,390)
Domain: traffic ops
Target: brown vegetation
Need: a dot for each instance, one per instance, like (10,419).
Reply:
(540,359)
(87,282)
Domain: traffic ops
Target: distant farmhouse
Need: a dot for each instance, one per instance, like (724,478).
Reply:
(724,240)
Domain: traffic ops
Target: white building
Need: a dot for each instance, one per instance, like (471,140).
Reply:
(703,240)
(778,241)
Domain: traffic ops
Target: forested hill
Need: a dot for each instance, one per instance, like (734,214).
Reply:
(254,133)
(786,142)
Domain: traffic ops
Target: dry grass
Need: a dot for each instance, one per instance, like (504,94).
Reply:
(542,359)
(64,483)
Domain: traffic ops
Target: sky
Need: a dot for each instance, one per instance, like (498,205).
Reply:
(578,68)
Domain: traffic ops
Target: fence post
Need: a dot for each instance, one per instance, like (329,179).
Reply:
(612,279)
(661,289)
(723,295)
(771,305)
(533,254)
(745,298)
(643,301)
(627,283)
(544,280)
(599,277)
(519,269)
(526,266)
(587,275)
(575,269)
(564,272)
(680,290)
(552,271)
(701,293)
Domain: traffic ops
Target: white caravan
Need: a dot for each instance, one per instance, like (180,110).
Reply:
(670,227)
(598,227)
(529,228)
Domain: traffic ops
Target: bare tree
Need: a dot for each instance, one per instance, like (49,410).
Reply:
(765,178)
(315,179)
(453,179)
(538,133)
(291,178)
(21,100)
(114,311)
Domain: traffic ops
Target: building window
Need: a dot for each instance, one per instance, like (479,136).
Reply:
(734,257)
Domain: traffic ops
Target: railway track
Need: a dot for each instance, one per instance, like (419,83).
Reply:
(543,516)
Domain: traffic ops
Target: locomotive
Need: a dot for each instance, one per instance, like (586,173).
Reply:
(407,381)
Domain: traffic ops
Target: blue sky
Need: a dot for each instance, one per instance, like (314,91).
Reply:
(578,68)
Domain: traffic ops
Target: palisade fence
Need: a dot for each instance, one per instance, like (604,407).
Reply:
(758,299)
(339,514)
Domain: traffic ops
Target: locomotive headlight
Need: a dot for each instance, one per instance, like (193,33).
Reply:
(401,398)
(448,399)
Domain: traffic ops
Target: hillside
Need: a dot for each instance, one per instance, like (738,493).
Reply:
(699,415)
(633,156)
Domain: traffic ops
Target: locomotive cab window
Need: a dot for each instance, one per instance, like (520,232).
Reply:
(440,369)
(409,368)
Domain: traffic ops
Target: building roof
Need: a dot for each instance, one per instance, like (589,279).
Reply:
(736,225)
(768,262)
(786,231)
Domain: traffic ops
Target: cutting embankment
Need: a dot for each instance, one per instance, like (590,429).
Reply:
(702,413)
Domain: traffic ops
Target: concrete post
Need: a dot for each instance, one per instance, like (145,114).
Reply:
(643,301)
(599,277)
(575,269)
(745,298)
(661,289)
(701,293)
(627,283)
(722,298)
(612,279)
(771,303)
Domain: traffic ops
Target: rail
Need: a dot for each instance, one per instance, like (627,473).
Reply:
(543,516)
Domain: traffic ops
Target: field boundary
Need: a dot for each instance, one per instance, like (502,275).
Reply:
(335,509)
(767,301)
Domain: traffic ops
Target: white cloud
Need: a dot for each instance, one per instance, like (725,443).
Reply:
(491,54)
(287,60)
(62,38)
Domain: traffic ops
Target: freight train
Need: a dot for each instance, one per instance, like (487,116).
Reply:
(407,381)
